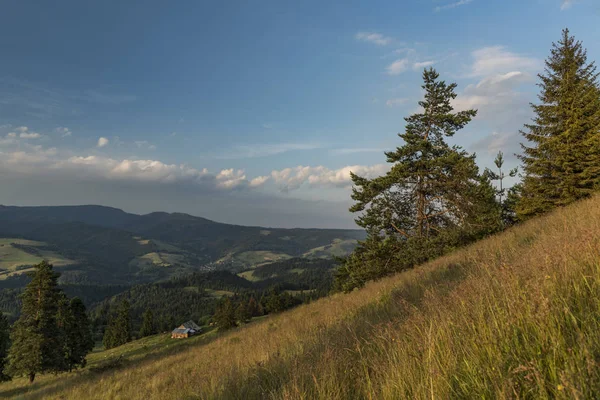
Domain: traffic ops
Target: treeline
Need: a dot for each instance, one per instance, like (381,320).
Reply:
(192,296)
(434,198)
(168,308)
(10,293)
(240,309)
(52,333)
(229,312)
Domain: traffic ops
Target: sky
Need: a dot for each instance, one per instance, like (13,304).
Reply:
(253,112)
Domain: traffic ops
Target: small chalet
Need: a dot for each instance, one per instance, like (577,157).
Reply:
(185,330)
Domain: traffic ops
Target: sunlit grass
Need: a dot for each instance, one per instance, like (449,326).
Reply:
(513,316)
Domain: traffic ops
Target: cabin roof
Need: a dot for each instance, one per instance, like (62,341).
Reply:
(181,331)
(190,325)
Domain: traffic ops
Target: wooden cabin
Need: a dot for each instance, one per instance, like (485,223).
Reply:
(185,330)
(181,333)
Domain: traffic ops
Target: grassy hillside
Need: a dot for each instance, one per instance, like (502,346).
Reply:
(17,255)
(513,316)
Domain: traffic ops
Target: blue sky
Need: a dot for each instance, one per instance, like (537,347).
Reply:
(252,112)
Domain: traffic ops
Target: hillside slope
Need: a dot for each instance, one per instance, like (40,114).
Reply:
(513,316)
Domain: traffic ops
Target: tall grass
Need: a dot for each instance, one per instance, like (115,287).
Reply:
(513,316)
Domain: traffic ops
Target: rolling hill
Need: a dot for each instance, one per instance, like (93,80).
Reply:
(103,245)
(514,316)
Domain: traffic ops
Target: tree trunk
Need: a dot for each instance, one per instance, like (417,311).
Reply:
(31,377)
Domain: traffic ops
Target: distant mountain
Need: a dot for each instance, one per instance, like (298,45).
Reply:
(104,245)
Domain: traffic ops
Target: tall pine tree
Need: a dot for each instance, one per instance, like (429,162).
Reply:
(431,200)
(148,327)
(561,159)
(242,313)
(225,315)
(4,345)
(118,331)
(78,335)
(37,340)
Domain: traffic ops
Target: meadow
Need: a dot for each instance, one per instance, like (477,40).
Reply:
(516,315)
(15,259)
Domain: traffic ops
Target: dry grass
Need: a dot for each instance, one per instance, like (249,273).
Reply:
(513,316)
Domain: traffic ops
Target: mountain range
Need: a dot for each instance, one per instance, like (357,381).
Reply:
(104,245)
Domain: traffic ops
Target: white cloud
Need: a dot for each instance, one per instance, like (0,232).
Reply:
(396,102)
(355,150)
(9,139)
(37,161)
(259,181)
(397,67)
(507,142)
(566,4)
(63,131)
(423,64)
(144,144)
(289,179)
(30,135)
(373,37)
(231,178)
(24,133)
(497,60)
(102,142)
(493,93)
(452,5)
(265,149)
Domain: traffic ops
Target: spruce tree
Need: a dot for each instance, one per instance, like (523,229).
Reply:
(225,315)
(252,308)
(148,328)
(124,331)
(4,345)
(561,156)
(78,333)
(37,341)
(108,338)
(118,331)
(242,313)
(432,200)
(504,196)
(274,302)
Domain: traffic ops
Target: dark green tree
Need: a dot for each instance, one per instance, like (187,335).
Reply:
(274,302)
(242,313)
(4,345)
(561,156)
(432,200)
(148,328)
(118,331)
(37,341)
(506,203)
(225,315)
(253,308)
(78,334)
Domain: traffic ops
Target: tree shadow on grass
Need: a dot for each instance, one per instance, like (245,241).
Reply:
(267,378)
